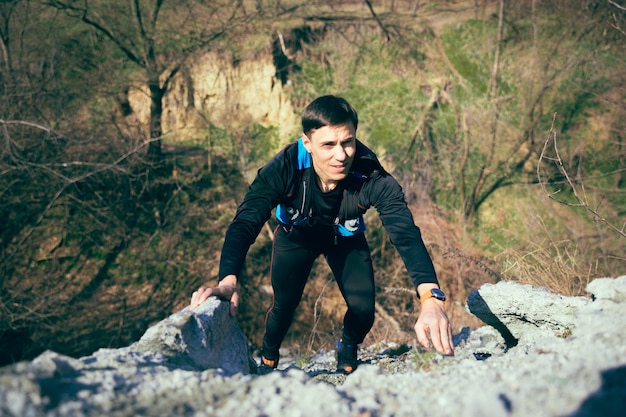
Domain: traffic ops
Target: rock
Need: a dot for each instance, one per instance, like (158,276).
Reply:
(483,343)
(608,289)
(202,338)
(171,370)
(522,313)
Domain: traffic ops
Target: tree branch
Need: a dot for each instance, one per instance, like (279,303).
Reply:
(82,12)
(617,5)
(380,23)
(580,201)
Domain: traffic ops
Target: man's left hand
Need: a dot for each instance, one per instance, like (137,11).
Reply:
(433,321)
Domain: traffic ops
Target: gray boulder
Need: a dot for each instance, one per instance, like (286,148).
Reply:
(523,313)
(608,289)
(201,338)
(173,370)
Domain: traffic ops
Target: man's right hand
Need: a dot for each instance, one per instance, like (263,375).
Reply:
(226,290)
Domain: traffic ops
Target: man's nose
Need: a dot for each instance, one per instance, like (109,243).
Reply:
(340,153)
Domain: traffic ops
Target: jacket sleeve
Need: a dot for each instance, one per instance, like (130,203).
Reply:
(386,195)
(266,191)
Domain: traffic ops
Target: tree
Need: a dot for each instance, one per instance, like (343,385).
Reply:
(558,180)
(159,37)
(551,155)
(77,201)
(488,119)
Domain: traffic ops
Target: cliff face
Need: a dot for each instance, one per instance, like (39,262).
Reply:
(546,355)
(217,90)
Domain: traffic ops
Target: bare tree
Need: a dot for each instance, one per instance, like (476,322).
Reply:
(159,37)
(378,21)
(577,188)
(490,143)
(77,213)
(471,201)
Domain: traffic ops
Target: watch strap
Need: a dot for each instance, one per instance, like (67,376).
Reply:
(430,294)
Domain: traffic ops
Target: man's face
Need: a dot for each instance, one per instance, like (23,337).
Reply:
(332,150)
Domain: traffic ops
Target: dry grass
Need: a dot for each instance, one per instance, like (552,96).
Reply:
(557,266)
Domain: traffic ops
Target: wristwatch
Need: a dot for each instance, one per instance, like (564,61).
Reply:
(433,293)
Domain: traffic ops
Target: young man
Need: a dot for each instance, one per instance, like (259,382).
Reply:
(320,186)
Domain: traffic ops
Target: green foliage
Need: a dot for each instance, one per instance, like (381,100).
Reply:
(251,147)
(388,112)
(578,98)
(263,141)
(460,47)
(499,221)
(385,98)
(418,358)
(319,77)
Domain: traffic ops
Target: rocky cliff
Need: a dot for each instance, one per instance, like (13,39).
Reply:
(542,354)
(219,90)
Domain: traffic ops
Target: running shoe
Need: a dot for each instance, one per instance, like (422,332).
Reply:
(267,365)
(346,357)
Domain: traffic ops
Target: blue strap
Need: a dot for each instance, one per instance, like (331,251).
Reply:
(304,159)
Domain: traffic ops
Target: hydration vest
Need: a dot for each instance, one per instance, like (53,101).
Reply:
(297,212)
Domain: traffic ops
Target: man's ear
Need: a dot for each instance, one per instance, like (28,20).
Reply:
(306,142)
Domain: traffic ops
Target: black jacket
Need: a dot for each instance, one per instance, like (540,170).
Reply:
(280,182)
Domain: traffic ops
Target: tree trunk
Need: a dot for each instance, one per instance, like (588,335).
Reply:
(479,194)
(156,113)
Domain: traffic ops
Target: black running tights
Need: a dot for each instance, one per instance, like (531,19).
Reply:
(293,254)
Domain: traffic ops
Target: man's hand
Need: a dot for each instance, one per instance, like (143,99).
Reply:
(433,321)
(226,290)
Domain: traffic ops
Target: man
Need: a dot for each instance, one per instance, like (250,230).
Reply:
(320,186)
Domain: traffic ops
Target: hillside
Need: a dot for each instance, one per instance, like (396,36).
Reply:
(119,174)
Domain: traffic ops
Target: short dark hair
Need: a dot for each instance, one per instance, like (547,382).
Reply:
(328,111)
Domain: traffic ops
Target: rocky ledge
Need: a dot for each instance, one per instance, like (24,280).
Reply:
(540,354)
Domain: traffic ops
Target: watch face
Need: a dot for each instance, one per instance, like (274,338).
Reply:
(438,294)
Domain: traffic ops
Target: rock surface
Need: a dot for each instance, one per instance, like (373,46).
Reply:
(207,337)
(522,313)
(546,355)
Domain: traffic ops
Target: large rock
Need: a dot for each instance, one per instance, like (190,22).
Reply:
(608,289)
(523,313)
(202,338)
(178,353)
(582,374)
